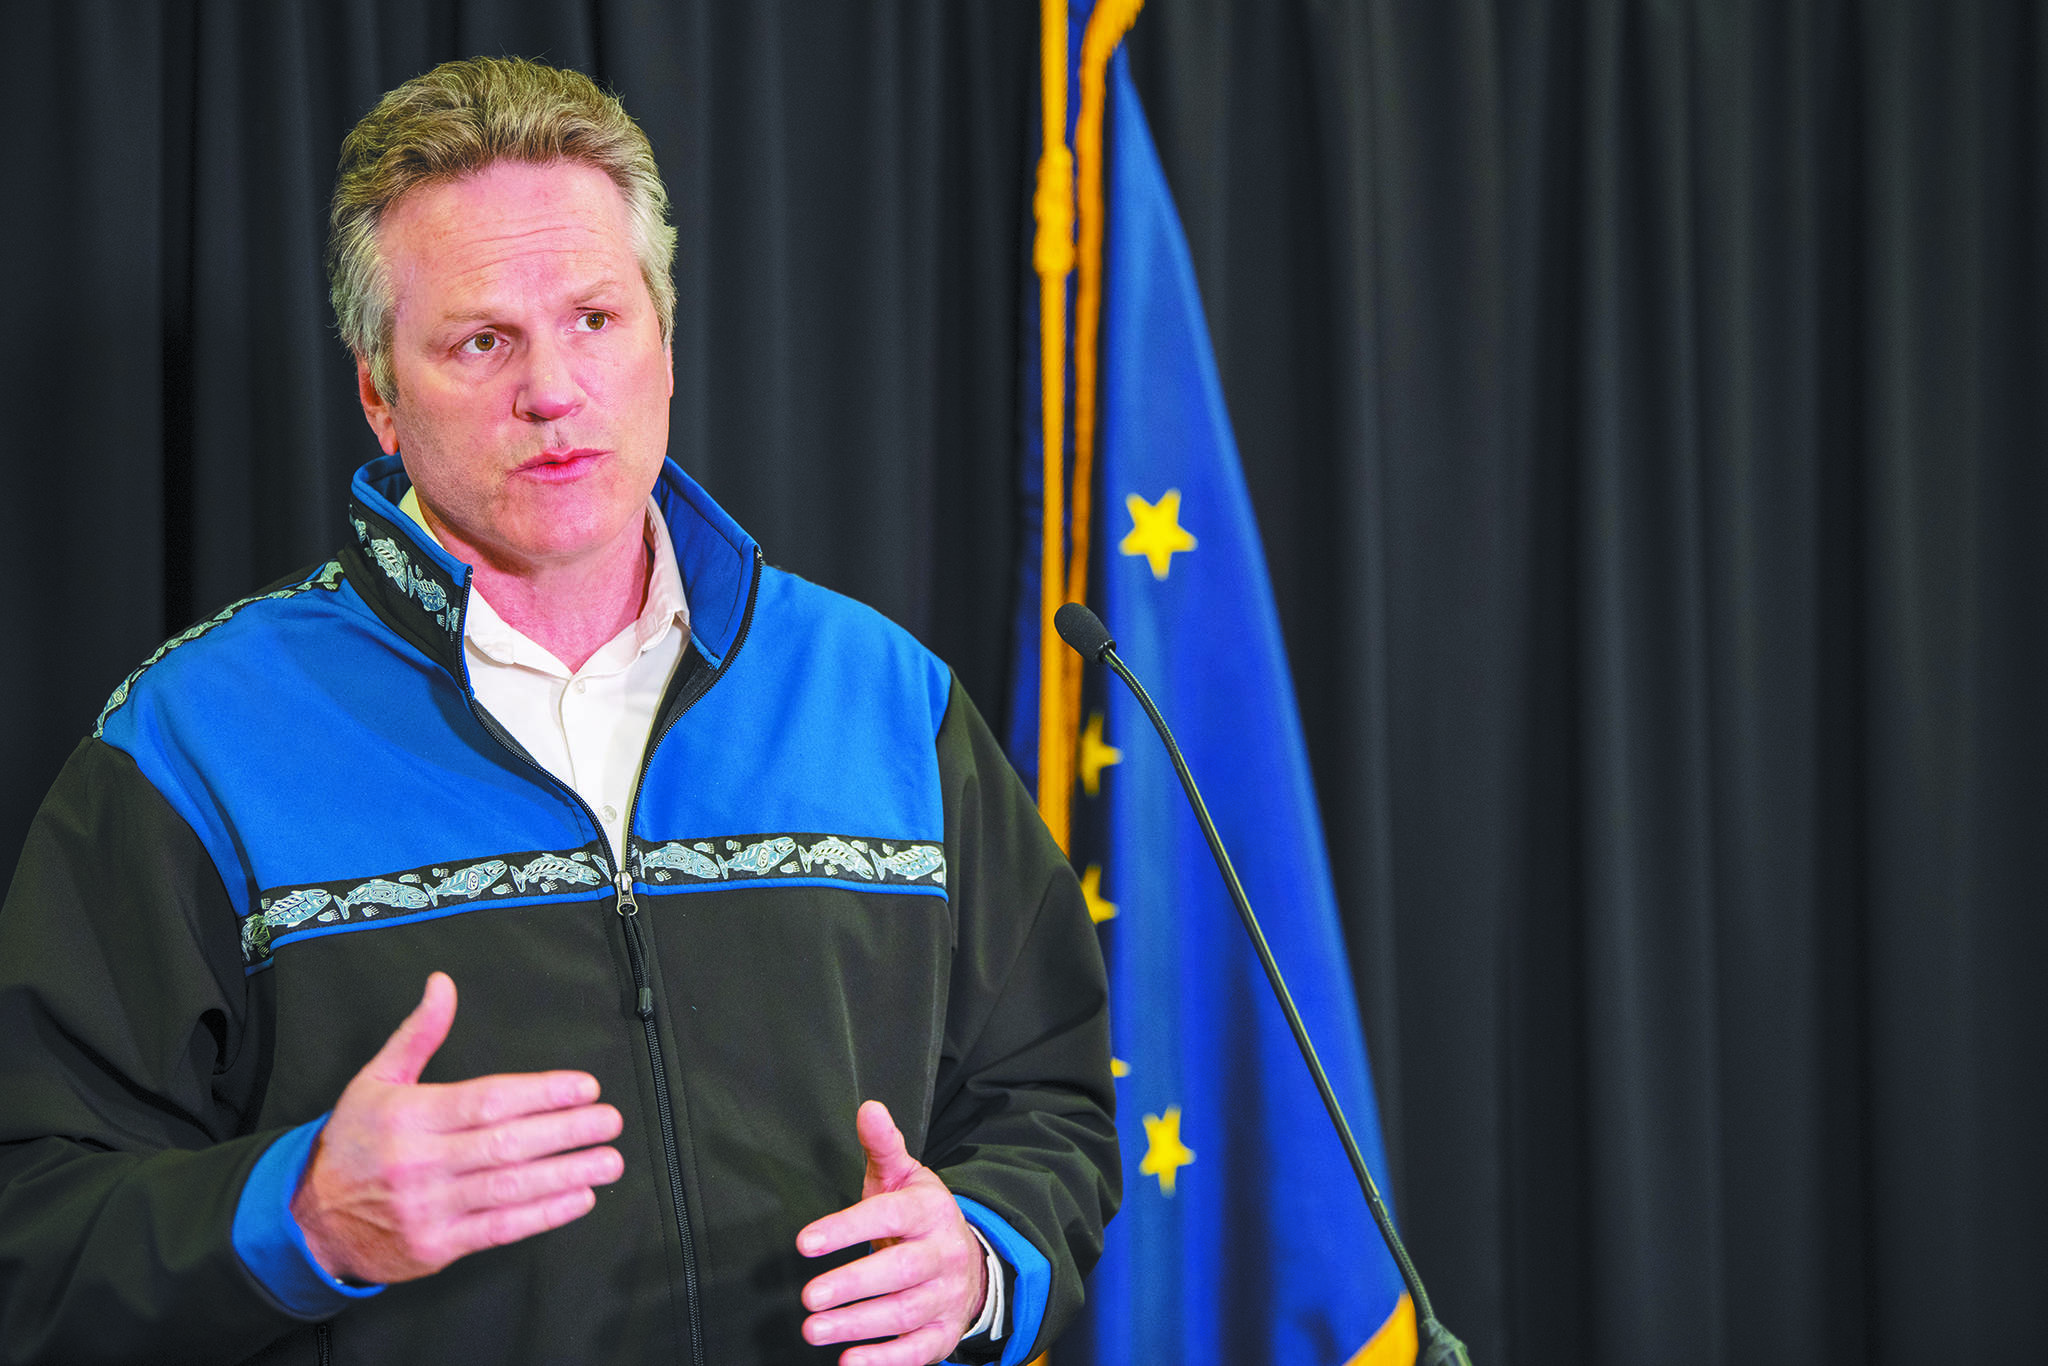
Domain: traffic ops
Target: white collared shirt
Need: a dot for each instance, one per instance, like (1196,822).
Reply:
(588,726)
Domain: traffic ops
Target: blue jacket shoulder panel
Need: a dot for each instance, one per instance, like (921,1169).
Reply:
(303,741)
(839,703)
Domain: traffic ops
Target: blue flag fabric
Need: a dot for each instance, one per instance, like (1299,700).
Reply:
(1243,1237)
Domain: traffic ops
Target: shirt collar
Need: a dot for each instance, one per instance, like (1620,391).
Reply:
(491,635)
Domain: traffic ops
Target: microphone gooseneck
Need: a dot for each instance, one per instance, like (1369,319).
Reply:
(1082,630)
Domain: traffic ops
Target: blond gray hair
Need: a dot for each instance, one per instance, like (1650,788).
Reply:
(459,119)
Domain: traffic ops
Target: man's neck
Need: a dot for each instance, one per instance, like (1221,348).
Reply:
(571,609)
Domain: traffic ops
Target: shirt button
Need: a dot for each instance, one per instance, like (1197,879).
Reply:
(580,685)
(610,814)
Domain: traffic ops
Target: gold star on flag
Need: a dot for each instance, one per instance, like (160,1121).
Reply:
(1119,1068)
(1156,531)
(1096,755)
(1099,909)
(1165,1154)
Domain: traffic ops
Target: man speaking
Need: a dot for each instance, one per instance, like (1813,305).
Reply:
(543,933)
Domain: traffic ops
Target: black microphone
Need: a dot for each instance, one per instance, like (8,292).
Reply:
(1089,638)
(1083,631)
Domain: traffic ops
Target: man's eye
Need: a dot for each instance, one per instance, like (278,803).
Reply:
(483,343)
(595,322)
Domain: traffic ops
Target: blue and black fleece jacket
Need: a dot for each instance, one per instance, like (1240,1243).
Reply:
(835,888)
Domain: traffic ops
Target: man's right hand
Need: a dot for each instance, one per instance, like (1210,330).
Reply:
(407,1177)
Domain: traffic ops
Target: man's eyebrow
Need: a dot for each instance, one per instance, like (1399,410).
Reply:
(602,285)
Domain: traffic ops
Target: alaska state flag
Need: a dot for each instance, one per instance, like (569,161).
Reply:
(1243,1237)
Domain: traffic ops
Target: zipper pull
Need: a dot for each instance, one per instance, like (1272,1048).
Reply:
(628,908)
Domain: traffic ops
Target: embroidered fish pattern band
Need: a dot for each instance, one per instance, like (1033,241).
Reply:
(281,912)
(747,858)
(398,567)
(284,912)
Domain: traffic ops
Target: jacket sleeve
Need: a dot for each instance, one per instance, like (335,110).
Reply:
(1023,1117)
(131,1070)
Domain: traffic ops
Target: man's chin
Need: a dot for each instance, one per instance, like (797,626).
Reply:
(546,544)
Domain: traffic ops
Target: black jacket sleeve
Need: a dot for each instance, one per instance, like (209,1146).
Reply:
(128,1069)
(1023,1119)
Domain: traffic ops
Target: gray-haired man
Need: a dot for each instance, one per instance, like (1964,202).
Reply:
(763,955)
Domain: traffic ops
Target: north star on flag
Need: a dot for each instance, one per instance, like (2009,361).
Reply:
(1243,1236)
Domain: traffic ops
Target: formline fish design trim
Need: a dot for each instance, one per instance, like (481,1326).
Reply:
(387,555)
(745,858)
(282,913)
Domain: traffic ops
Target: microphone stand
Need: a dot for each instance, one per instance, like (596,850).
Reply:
(1084,632)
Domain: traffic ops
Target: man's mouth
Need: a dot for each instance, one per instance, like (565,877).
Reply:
(568,463)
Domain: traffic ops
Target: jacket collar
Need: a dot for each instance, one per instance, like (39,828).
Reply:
(422,592)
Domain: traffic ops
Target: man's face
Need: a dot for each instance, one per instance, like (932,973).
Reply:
(533,385)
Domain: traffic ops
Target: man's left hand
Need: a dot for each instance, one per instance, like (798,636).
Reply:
(924,1282)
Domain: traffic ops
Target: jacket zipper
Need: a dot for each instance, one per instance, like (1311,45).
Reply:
(323,1343)
(636,953)
(636,949)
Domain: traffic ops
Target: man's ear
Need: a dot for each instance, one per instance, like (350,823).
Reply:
(375,410)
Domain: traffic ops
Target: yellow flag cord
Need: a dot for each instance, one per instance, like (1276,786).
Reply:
(1107,25)
(1064,540)
(1053,257)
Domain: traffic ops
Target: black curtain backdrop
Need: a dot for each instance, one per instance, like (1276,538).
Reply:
(1641,401)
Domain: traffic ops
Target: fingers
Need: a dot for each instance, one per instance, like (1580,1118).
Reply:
(920,1293)
(482,1102)
(909,1310)
(497,1226)
(900,1267)
(889,1161)
(534,1136)
(404,1055)
(530,1183)
(892,1214)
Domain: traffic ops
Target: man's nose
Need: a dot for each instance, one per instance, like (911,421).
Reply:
(548,390)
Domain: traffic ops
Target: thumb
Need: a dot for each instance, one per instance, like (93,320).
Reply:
(889,1161)
(404,1055)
